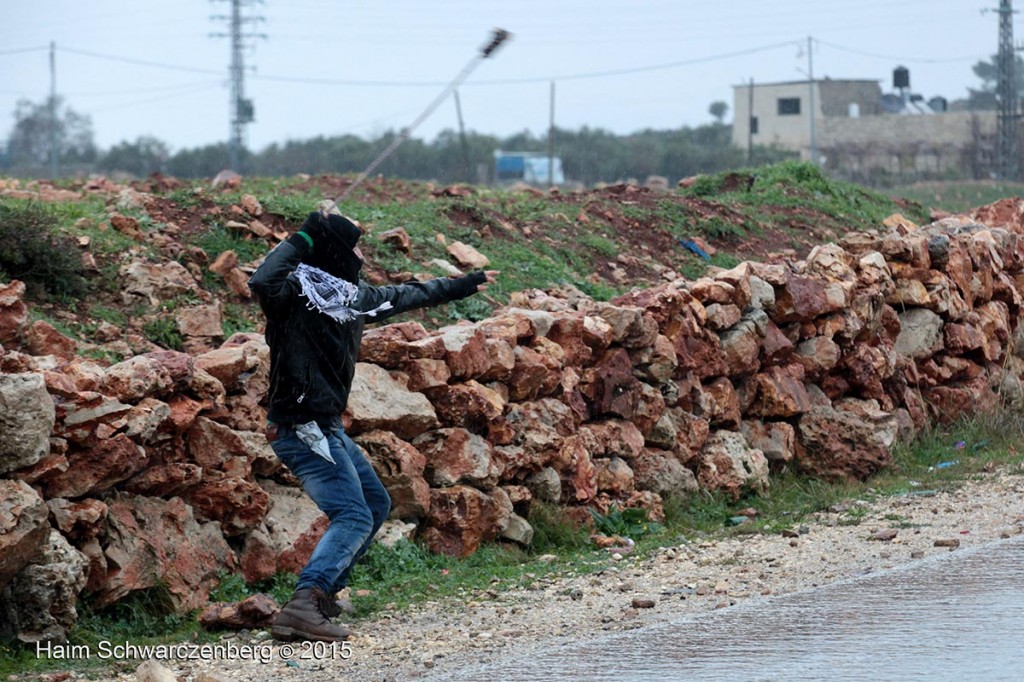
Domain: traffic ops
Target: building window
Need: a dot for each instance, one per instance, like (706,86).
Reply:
(753,125)
(789,106)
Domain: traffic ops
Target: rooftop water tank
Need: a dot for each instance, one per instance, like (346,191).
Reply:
(901,77)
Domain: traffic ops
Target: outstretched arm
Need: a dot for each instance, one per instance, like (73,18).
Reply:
(405,297)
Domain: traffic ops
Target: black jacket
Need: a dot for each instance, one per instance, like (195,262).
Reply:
(312,356)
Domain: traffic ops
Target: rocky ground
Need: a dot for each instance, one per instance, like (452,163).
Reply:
(851,539)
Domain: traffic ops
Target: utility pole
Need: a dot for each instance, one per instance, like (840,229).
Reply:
(551,139)
(241,110)
(54,152)
(750,122)
(1006,93)
(810,98)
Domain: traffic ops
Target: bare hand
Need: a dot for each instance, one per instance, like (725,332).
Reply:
(492,277)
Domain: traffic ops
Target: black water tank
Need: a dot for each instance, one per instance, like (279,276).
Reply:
(901,77)
(938,104)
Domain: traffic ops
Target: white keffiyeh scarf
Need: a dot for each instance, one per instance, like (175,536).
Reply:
(330,295)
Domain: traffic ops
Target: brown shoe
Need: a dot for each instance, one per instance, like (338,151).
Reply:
(304,617)
(333,608)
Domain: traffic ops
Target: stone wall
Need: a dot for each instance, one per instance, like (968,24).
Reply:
(155,470)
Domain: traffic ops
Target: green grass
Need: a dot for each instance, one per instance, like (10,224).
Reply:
(599,243)
(108,314)
(163,331)
(218,239)
(959,195)
(780,189)
(239,317)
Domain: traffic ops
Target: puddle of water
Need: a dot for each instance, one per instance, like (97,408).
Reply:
(957,617)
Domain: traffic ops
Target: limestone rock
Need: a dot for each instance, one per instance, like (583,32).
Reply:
(545,485)
(920,333)
(237,504)
(152,542)
(251,613)
(467,256)
(470,405)
(155,282)
(214,446)
(394,344)
(24,528)
(200,320)
(614,476)
(43,339)
(146,419)
(225,364)
(465,351)
(27,417)
(460,519)
(780,392)
(41,599)
(532,375)
(660,472)
(728,464)
(457,456)
(13,311)
(518,530)
(613,437)
(153,671)
(400,467)
(79,521)
(777,440)
(425,374)
(98,469)
(610,387)
(398,239)
(379,402)
(135,378)
(836,444)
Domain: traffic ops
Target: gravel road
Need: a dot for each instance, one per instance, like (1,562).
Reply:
(440,636)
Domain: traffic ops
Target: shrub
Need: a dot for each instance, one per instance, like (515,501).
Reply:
(32,250)
(163,331)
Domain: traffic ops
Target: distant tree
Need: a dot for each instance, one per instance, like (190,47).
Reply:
(718,110)
(985,98)
(28,145)
(202,162)
(145,155)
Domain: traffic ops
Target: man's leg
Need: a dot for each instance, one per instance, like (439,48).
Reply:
(337,491)
(375,494)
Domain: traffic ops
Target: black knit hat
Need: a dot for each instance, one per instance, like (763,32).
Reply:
(334,241)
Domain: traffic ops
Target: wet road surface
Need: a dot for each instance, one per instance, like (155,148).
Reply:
(953,617)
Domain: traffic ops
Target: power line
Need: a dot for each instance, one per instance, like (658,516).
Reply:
(535,79)
(174,95)
(40,48)
(139,62)
(921,60)
(388,83)
(639,69)
(135,91)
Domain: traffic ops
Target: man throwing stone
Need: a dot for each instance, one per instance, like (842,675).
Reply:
(309,290)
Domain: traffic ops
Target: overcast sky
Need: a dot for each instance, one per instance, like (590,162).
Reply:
(389,58)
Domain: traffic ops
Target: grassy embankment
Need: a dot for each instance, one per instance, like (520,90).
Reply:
(535,241)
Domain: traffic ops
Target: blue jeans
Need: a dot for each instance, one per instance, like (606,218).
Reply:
(348,492)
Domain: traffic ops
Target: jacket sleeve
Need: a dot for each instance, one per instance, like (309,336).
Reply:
(405,297)
(270,282)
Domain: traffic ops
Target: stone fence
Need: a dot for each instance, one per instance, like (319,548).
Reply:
(155,471)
